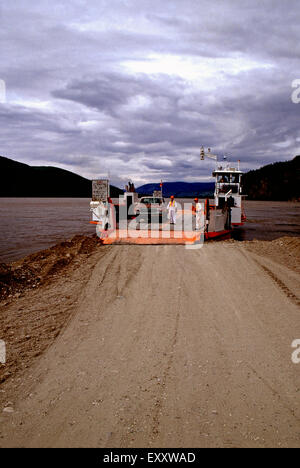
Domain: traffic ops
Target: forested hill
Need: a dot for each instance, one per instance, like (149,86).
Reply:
(20,180)
(278,181)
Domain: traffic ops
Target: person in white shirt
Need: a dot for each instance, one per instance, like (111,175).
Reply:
(198,213)
(172,210)
(199,217)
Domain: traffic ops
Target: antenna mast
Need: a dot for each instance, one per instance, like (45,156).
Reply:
(207,154)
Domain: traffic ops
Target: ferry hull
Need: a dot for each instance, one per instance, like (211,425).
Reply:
(164,234)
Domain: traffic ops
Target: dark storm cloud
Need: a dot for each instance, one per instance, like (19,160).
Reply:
(111,90)
(135,88)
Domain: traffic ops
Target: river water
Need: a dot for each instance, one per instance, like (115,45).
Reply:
(31,224)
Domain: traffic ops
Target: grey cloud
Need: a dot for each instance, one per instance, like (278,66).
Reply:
(100,116)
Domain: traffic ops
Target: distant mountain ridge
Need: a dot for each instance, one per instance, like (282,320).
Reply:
(180,189)
(21,180)
(279,181)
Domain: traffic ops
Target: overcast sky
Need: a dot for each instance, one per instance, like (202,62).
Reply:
(133,88)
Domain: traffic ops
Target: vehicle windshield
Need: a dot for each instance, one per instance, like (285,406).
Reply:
(228,178)
(151,201)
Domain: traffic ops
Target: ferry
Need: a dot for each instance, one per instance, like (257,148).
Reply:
(119,221)
(228,197)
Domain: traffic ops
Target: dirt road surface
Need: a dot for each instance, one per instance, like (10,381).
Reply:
(165,347)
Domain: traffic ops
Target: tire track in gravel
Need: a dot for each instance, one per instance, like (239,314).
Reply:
(284,288)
